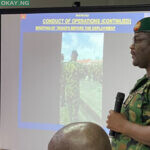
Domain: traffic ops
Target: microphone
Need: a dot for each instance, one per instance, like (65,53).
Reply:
(119,100)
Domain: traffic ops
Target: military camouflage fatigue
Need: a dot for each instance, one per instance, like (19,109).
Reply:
(137,110)
(73,72)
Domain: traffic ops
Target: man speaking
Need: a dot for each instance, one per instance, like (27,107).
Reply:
(133,123)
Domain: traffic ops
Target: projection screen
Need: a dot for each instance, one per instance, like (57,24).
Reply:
(58,68)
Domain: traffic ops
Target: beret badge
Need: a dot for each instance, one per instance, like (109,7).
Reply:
(137,26)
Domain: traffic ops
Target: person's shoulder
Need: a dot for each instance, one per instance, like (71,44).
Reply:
(142,78)
(139,83)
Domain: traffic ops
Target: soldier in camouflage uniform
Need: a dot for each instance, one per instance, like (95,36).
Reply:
(73,73)
(133,123)
(62,83)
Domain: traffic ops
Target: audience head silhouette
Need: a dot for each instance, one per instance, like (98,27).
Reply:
(80,136)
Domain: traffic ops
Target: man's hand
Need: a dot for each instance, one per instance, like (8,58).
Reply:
(116,121)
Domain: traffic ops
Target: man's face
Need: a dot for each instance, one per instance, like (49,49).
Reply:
(140,50)
(74,57)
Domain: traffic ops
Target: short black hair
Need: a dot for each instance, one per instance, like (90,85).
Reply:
(74,52)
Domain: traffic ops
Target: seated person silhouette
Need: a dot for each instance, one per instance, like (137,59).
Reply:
(80,136)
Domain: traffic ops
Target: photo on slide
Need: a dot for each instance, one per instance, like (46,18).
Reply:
(81,77)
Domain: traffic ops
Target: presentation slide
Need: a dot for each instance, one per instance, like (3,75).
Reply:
(58,68)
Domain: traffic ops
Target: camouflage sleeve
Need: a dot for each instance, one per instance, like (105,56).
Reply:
(146,108)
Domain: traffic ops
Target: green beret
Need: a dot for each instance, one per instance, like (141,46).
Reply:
(143,25)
